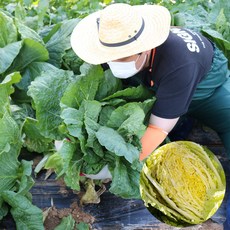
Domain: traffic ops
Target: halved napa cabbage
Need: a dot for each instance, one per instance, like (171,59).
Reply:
(182,183)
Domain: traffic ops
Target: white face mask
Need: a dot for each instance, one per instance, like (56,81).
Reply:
(125,70)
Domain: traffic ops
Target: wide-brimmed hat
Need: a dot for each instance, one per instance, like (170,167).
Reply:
(120,30)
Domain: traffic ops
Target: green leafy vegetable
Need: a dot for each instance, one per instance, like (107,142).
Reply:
(9,52)
(46,92)
(66,223)
(31,51)
(8,32)
(15,176)
(127,150)
(27,216)
(101,131)
(33,140)
(59,42)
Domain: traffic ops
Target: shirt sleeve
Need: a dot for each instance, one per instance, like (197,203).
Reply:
(175,91)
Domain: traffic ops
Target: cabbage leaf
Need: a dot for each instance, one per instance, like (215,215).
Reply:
(14,175)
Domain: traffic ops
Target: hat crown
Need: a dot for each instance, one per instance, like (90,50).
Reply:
(120,30)
(118,23)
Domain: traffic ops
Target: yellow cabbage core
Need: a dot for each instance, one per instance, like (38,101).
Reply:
(184,181)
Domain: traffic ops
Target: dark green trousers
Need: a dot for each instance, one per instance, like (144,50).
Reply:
(211,101)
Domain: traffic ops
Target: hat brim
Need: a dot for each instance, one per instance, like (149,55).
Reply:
(85,42)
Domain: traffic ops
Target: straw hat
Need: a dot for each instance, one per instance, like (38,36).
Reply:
(120,30)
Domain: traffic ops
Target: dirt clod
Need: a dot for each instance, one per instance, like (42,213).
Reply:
(55,216)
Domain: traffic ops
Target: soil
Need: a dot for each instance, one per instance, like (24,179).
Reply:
(62,187)
(55,216)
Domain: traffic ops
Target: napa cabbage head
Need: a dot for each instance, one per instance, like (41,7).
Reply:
(182,183)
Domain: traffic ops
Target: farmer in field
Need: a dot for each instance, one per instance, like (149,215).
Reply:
(188,73)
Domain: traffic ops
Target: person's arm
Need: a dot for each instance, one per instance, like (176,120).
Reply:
(155,134)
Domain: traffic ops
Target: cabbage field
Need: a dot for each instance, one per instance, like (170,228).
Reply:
(48,94)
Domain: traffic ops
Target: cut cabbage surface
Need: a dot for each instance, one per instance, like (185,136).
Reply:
(182,183)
